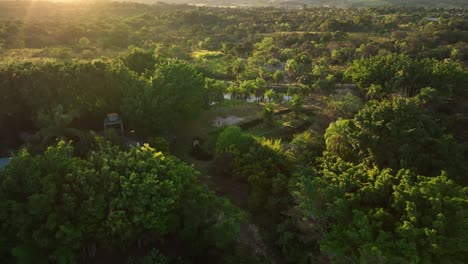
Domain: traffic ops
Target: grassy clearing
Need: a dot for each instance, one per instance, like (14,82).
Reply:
(283,126)
(203,126)
(314,116)
(199,54)
(211,63)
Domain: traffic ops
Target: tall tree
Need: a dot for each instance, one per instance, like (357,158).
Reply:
(56,206)
(395,134)
(380,216)
(278,76)
(291,68)
(174,94)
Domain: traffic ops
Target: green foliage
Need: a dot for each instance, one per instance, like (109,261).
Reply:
(174,94)
(327,84)
(278,97)
(160,144)
(261,162)
(337,140)
(39,213)
(55,122)
(428,96)
(139,60)
(208,221)
(296,104)
(345,105)
(395,134)
(154,257)
(114,136)
(233,139)
(261,87)
(374,92)
(248,87)
(400,73)
(270,94)
(215,89)
(297,243)
(294,89)
(266,168)
(53,94)
(273,62)
(148,203)
(342,55)
(306,147)
(278,76)
(84,42)
(263,51)
(269,113)
(292,67)
(54,204)
(238,67)
(212,64)
(243,254)
(375,216)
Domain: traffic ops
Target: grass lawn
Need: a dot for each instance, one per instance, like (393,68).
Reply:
(199,54)
(284,126)
(204,127)
(210,63)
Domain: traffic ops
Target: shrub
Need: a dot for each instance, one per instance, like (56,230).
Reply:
(233,139)
(377,216)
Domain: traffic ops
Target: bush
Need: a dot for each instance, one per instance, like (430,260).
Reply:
(115,137)
(345,105)
(62,92)
(139,60)
(396,134)
(325,85)
(154,257)
(268,113)
(174,94)
(54,205)
(266,168)
(297,104)
(377,216)
(233,139)
(160,144)
(306,147)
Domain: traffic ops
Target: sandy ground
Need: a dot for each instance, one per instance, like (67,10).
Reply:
(226,121)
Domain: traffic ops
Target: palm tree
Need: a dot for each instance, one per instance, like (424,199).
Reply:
(296,104)
(336,138)
(270,94)
(269,113)
(54,124)
(291,68)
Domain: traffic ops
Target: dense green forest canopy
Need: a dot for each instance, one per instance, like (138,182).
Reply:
(314,3)
(334,3)
(311,134)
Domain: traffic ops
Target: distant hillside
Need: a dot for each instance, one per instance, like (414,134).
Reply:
(291,3)
(339,3)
